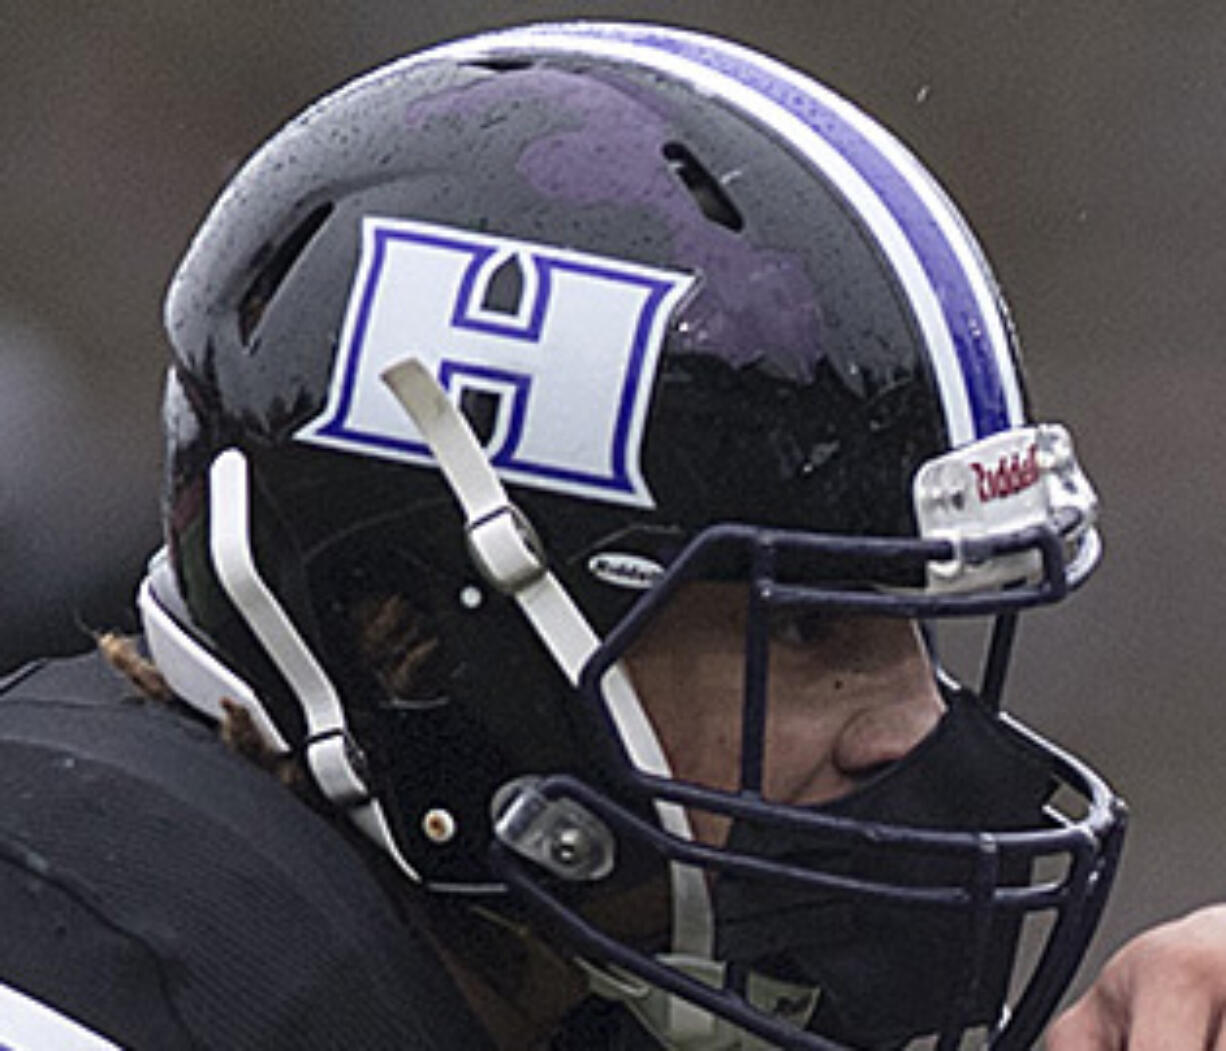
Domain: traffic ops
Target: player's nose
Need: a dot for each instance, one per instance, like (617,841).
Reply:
(876,736)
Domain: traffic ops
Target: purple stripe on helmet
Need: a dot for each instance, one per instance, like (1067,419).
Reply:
(980,366)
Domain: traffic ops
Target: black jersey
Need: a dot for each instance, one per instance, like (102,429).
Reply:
(166,893)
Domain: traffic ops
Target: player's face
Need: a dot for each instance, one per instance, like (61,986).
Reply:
(847,695)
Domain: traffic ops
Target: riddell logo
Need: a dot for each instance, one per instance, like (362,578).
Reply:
(1011,475)
(625,570)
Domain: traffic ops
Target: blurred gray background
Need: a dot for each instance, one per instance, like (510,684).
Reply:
(1084,140)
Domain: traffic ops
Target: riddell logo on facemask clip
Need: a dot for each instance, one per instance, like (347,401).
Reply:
(1011,475)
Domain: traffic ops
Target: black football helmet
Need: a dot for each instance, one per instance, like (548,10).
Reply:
(480,359)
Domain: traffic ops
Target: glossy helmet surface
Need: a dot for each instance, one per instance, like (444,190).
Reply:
(703,318)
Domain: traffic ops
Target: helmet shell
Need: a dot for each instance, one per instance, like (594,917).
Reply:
(799,381)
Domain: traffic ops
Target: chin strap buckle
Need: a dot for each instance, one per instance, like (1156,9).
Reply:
(506,550)
(339,767)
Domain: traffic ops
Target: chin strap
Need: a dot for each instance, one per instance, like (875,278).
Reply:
(505,549)
(332,755)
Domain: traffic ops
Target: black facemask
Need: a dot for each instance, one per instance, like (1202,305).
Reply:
(890,971)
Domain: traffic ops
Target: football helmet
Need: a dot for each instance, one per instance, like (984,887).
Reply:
(485,355)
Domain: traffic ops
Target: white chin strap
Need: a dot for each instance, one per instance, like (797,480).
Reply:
(331,753)
(505,550)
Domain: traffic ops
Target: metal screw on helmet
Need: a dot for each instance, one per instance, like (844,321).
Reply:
(439,826)
(570,847)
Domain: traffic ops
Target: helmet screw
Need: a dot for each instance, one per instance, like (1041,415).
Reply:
(568,846)
(438,825)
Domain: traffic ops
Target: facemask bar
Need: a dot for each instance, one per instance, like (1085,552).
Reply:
(1090,846)
(1050,542)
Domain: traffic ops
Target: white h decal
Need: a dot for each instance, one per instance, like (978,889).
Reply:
(567,368)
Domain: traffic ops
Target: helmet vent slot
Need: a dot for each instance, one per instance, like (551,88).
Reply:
(703,186)
(273,266)
(502,65)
